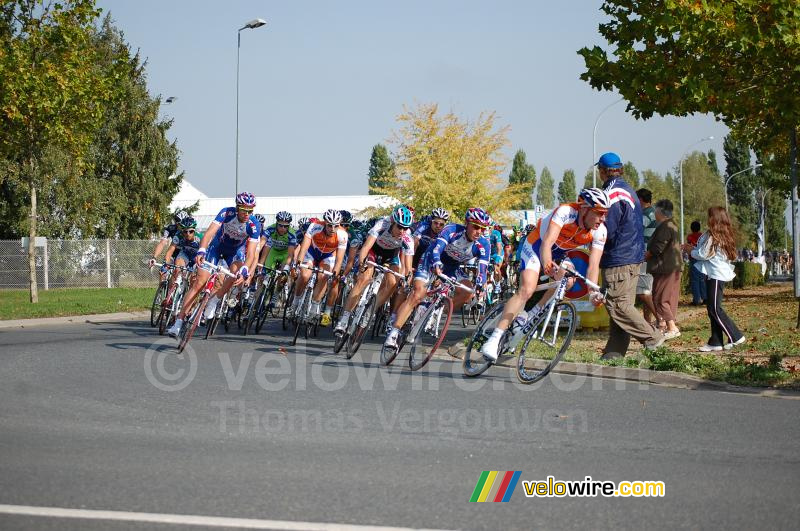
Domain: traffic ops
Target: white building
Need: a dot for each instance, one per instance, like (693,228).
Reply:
(300,206)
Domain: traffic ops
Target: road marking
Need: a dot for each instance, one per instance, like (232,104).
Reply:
(186,519)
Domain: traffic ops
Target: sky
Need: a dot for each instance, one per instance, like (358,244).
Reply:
(323,82)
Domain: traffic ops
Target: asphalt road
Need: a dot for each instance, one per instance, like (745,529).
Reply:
(107,417)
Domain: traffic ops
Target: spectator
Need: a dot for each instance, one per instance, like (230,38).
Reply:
(697,280)
(714,251)
(644,286)
(624,252)
(665,263)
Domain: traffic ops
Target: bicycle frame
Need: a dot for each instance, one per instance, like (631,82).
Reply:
(434,296)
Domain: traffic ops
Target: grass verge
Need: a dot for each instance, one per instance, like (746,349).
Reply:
(14,304)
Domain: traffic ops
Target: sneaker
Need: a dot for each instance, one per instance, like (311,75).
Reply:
(657,343)
(710,348)
(672,334)
(489,349)
(325,320)
(391,340)
(211,308)
(175,329)
(739,341)
(341,326)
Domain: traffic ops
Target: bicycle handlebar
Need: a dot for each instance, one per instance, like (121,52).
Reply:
(453,283)
(317,270)
(571,273)
(384,269)
(172,266)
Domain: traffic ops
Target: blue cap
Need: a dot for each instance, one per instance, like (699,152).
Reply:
(609,160)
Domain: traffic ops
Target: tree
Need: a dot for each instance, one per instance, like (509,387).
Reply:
(523,173)
(52,96)
(544,192)
(661,188)
(740,188)
(631,174)
(702,188)
(712,161)
(443,161)
(381,169)
(588,179)
(566,188)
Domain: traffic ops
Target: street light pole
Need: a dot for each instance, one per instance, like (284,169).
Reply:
(255,23)
(681,175)
(594,141)
(753,167)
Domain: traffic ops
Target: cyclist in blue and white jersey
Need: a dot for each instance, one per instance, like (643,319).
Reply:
(232,237)
(456,244)
(427,230)
(186,242)
(386,241)
(167,234)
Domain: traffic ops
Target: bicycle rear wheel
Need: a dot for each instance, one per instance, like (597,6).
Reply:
(381,318)
(431,333)
(300,316)
(155,309)
(356,338)
(546,343)
(474,363)
(289,303)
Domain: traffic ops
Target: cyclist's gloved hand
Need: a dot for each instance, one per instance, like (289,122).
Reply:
(550,269)
(200,257)
(597,298)
(285,267)
(151,262)
(244,272)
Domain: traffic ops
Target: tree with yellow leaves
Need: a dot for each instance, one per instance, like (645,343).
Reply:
(442,161)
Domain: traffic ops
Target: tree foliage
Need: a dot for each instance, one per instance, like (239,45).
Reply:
(443,161)
(735,59)
(523,173)
(631,174)
(381,169)
(566,188)
(702,188)
(544,192)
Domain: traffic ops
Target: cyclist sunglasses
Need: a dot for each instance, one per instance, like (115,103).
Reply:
(247,210)
(283,225)
(189,231)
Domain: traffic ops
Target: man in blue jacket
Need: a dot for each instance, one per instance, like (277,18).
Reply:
(624,251)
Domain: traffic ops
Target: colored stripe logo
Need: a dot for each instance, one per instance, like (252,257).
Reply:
(494,486)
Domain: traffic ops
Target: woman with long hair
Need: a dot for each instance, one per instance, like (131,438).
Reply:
(714,251)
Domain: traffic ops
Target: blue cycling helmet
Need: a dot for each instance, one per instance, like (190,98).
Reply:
(403,216)
(246,199)
(261,219)
(283,217)
(479,217)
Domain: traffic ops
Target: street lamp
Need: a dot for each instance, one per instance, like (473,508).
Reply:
(594,141)
(681,172)
(734,175)
(253,24)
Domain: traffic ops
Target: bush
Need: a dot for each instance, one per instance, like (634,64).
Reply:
(747,274)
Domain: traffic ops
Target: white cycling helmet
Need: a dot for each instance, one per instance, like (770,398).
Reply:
(332,216)
(594,198)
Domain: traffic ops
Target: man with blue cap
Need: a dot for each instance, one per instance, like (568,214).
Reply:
(624,251)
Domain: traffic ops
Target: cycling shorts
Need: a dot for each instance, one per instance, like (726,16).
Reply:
(497,259)
(185,257)
(276,259)
(530,259)
(384,257)
(318,258)
(215,254)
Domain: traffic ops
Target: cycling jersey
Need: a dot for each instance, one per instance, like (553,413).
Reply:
(230,241)
(425,234)
(451,249)
(323,246)
(571,236)
(170,231)
(186,249)
(382,231)
(496,238)
(275,241)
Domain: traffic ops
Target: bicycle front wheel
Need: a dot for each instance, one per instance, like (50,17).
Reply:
(546,343)
(355,339)
(155,309)
(431,333)
(191,324)
(474,363)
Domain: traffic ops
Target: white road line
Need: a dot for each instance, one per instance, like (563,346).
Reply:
(185,519)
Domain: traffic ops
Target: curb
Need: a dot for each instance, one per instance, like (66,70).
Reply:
(664,378)
(73,319)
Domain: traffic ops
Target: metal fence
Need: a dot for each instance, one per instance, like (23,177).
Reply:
(78,264)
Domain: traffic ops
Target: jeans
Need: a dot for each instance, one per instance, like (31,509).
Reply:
(697,284)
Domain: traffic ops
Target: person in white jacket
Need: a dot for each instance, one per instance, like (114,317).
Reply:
(714,251)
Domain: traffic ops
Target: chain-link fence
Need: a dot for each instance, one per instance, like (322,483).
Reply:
(77,264)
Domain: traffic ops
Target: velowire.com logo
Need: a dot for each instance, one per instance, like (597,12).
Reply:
(494,486)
